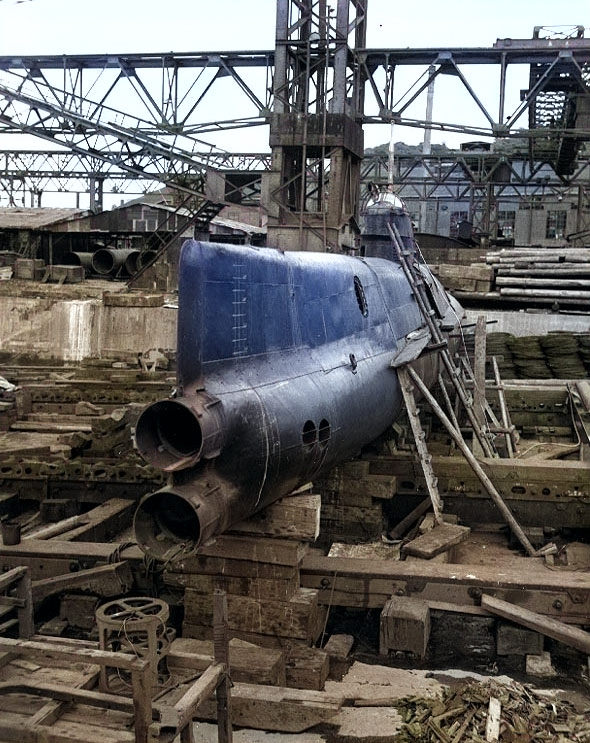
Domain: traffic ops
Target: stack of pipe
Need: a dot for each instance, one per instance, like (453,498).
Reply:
(552,274)
(115,261)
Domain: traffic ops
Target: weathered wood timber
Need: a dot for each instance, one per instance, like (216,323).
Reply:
(99,524)
(307,667)
(256,549)
(558,492)
(404,625)
(295,517)
(249,663)
(105,581)
(572,636)
(277,708)
(365,583)
(439,539)
(295,618)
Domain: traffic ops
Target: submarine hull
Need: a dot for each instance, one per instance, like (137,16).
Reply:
(284,370)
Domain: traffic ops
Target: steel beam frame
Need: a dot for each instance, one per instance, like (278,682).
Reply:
(144,116)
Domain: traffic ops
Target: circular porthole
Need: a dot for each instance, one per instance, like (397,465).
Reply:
(309,435)
(324,432)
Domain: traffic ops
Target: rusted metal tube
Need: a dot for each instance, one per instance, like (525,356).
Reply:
(176,434)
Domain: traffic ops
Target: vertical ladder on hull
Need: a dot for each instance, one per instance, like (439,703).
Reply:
(409,378)
(439,342)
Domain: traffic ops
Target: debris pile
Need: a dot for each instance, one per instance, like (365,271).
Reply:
(472,711)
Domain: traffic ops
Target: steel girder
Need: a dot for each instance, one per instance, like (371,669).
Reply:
(173,96)
(143,117)
(24,175)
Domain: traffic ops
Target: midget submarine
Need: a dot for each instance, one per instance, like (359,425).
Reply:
(285,368)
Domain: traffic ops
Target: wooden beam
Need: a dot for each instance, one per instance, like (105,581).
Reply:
(277,708)
(368,583)
(106,581)
(572,636)
(69,694)
(186,708)
(49,650)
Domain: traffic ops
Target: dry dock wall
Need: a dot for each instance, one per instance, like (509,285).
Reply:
(73,330)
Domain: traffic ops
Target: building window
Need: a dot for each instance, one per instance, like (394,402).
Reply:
(506,221)
(556,221)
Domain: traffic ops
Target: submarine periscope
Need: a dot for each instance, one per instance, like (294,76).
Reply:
(284,369)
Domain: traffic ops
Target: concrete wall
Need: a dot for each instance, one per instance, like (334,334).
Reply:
(72,330)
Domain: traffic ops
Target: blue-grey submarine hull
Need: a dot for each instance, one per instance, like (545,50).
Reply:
(284,369)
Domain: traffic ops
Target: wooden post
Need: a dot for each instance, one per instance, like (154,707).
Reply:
(420,439)
(221,655)
(141,680)
(479,370)
(475,465)
(24,591)
(506,422)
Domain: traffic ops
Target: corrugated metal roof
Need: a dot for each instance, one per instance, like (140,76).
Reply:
(233,224)
(21,218)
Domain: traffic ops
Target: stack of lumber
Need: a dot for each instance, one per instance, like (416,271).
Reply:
(552,274)
(352,502)
(476,277)
(258,565)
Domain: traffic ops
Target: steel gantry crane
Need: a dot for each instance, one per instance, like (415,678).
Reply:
(162,117)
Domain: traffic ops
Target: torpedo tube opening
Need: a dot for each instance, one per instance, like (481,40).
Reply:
(164,520)
(168,434)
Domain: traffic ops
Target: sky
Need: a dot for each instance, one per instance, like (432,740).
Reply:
(81,26)
(29,27)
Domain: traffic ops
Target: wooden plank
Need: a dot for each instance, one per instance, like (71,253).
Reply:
(381,487)
(185,709)
(256,549)
(46,650)
(258,588)
(63,549)
(187,570)
(48,427)
(368,583)
(51,711)
(493,720)
(277,708)
(295,517)
(398,531)
(249,663)
(553,281)
(439,539)
(106,581)
(545,293)
(479,393)
(293,618)
(105,521)
(572,636)
(69,694)
(12,576)
(15,728)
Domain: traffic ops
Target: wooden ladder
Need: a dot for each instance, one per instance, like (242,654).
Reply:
(409,379)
